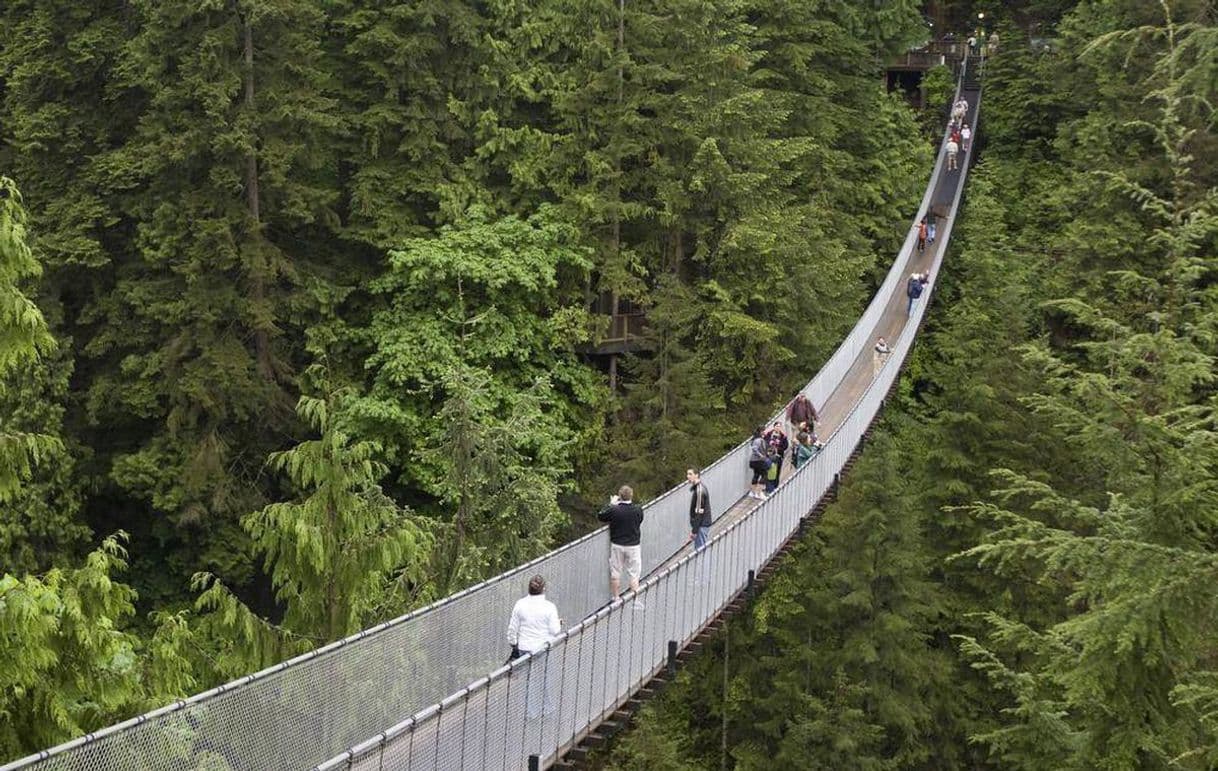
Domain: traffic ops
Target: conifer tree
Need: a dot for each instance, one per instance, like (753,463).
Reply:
(226,168)
(23,337)
(425,86)
(333,556)
(500,481)
(1123,665)
(69,666)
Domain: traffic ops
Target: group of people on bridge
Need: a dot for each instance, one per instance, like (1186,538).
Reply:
(959,134)
(535,621)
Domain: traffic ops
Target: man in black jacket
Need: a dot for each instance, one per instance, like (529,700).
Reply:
(699,509)
(625,518)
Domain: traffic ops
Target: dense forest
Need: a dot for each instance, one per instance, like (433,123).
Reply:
(302,299)
(1020,572)
(301,304)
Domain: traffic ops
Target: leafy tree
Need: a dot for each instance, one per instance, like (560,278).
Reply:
(69,668)
(334,556)
(494,296)
(23,336)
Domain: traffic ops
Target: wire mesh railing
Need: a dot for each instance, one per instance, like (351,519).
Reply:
(295,713)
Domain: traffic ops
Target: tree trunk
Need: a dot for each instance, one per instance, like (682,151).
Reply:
(256,259)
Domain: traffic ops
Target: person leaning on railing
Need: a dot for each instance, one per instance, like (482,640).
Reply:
(625,518)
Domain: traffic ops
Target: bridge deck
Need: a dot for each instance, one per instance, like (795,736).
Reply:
(851,388)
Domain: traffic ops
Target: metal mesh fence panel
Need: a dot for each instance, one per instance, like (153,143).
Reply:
(495,736)
(423,741)
(473,742)
(516,703)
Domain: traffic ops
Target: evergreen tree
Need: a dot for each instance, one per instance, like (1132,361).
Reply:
(69,668)
(41,520)
(500,480)
(228,164)
(1126,540)
(23,337)
(334,557)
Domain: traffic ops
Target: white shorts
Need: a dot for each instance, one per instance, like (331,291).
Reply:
(628,559)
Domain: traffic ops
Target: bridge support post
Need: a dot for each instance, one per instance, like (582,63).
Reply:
(672,657)
(534,763)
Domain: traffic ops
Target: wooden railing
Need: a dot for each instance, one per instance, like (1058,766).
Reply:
(623,327)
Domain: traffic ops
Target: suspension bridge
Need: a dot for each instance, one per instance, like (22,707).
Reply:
(429,690)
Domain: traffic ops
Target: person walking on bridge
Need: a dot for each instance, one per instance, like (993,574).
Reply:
(913,290)
(700,516)
(953,147)
(534,620)
(758,462)
(777,443)
(806,448)
(966,135)
(931,222)
(922,233)
(533,625)
(801,413)
(959,112)
(879,356)
(625,518)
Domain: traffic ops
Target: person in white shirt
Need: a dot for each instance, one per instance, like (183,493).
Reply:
(952,149)
(880,356)
(965,135)
(534,622)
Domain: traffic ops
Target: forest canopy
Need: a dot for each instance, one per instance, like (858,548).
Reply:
(1019,573)
(303,304)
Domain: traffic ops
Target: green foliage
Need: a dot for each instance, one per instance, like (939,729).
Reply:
(191,345)
(501,478)
(69,668)
(333,556)
(425,198)
(1107,666)
(40,522)
(23,337)
(487,295)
